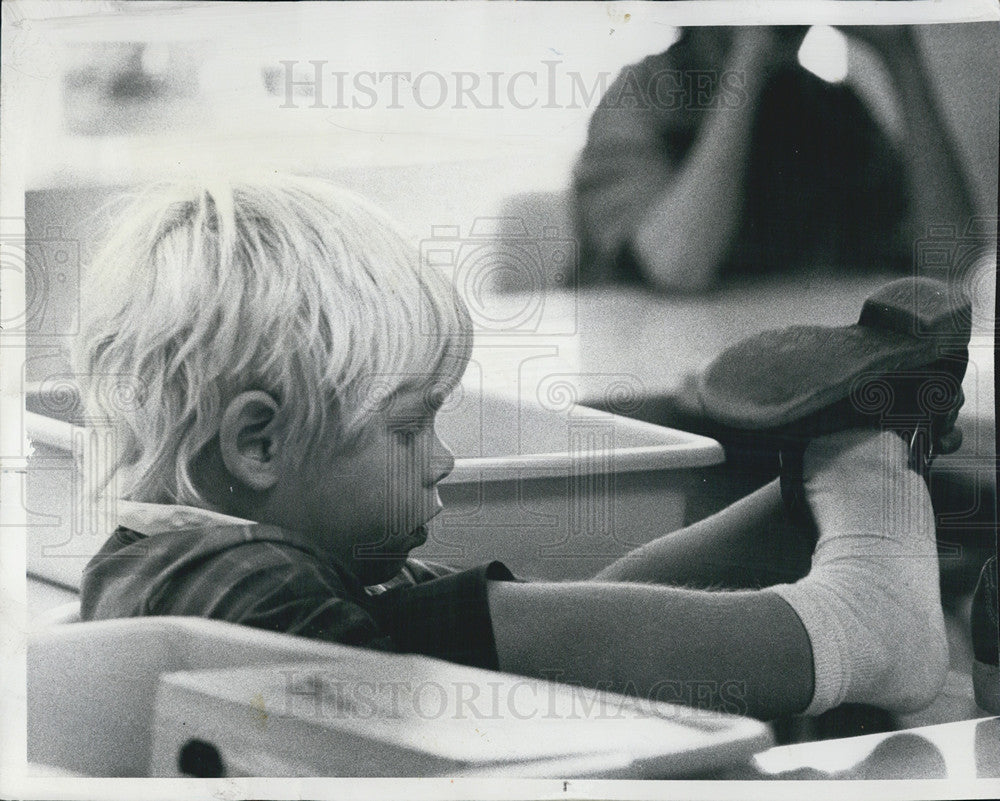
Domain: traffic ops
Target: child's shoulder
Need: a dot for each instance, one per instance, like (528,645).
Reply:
(178,560)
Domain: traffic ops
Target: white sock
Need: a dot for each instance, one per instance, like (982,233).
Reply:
(871,603)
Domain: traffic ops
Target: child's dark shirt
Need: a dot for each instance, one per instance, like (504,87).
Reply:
(270,578)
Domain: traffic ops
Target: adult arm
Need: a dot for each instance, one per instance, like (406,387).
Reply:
(936,182)
(643,187)
(683,237)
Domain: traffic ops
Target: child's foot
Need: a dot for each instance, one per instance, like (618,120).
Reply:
(871,603)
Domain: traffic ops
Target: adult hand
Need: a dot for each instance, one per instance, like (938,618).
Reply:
(757,47)
(885,40)
(777,45)
(788,41)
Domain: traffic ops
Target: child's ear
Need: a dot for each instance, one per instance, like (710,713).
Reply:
(251,438)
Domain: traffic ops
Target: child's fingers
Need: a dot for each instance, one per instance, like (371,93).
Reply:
(950,442)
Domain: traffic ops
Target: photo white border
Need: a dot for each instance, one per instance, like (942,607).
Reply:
(45,19)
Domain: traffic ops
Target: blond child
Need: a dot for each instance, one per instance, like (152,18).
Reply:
(281,463)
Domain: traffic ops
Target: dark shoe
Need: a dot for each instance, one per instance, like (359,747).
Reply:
(985,635)
(899,368)
(913,328)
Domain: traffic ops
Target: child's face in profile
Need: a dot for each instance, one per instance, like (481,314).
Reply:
(370,501)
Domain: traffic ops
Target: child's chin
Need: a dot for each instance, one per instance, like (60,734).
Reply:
(378,570)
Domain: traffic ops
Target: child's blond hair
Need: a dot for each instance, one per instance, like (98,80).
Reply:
(286,284)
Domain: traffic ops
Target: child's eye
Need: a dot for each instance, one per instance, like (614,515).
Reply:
(411,431)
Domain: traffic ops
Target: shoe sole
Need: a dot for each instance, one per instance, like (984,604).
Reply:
(780,376)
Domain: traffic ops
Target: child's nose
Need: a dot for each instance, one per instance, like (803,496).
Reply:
(442,460)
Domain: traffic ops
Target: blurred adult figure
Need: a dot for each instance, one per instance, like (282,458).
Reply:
(724,157)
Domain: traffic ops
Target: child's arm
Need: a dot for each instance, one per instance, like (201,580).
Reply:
(660,643)
(865,625)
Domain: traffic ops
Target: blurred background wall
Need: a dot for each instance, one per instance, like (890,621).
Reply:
(140,99)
